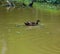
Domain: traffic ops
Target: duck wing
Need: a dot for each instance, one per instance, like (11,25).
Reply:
(28,23)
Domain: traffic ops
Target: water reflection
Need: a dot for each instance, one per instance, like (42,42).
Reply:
(4,47)
(10,8)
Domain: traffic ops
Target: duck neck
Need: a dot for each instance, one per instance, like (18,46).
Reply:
(37,22)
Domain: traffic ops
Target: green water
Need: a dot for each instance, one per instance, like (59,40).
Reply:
(21,39)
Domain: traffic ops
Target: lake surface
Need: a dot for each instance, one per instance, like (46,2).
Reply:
(16,38)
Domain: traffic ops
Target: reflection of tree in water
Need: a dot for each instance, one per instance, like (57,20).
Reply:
(4,46)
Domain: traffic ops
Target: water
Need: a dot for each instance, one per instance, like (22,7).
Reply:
(21,39)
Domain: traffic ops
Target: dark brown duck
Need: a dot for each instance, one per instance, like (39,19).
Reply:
(32,23)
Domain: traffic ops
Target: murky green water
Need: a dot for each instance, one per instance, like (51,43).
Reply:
(16,38)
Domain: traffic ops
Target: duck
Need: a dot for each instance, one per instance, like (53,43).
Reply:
(32,23)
